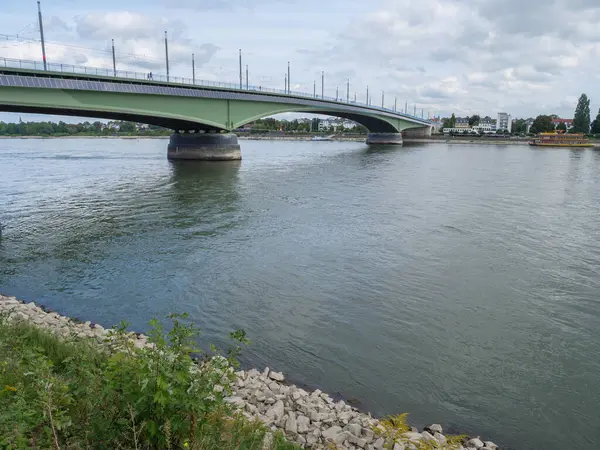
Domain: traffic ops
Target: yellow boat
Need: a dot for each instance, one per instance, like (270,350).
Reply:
(561,140)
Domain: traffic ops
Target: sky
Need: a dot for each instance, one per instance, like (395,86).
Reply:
(524,57)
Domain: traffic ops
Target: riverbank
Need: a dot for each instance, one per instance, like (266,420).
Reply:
(85,137)
(310,419)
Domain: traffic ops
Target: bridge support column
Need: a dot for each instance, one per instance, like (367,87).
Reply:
(204,147)
(384,138)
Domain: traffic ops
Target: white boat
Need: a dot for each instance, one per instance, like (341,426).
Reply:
(322,138)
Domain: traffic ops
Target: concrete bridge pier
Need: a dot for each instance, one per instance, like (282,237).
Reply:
(211,146)
(384,138)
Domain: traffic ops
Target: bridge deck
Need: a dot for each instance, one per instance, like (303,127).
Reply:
(20,73)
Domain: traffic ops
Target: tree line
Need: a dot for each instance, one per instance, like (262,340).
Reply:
(79,129)
(124,128)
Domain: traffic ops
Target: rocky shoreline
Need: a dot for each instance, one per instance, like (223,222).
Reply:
(311,419)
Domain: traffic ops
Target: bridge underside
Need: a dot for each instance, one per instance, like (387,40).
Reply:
(172,124)
(372,124)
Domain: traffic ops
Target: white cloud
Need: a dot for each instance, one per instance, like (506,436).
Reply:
(463,56)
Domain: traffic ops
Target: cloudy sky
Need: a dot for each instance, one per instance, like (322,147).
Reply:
(526,57)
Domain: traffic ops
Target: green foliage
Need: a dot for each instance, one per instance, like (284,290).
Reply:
(581,119)
(542,124)
(519,126)
(474,120)
(561,127)
(393,430)
(79,129)
(77,395)
(595,127)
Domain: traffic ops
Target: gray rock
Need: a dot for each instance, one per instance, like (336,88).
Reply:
(253,373)
(311,439)
(281,422)
(315,416)
(476,442)
(491,445)
(434,428)
(277,376)
(440,438)
(398,446)
(265,372)
(276,411)
(353,428)
(303,423)
(291,426)
(428,437)
(340,405)
(379,443)
(237,401)
(331,432)
(358,441)
(300,439)
(412,436)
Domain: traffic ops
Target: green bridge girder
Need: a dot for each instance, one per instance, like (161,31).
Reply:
(217,108)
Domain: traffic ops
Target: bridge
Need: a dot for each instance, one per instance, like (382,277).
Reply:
(202,113)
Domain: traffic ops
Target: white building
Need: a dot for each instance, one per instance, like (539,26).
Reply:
(504,122)
(486,125)
(335,123)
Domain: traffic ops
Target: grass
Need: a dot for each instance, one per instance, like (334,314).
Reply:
(75,395)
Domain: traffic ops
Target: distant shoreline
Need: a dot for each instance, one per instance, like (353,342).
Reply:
(84,137)
(353,138)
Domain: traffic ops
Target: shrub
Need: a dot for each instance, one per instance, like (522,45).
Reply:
(61,395)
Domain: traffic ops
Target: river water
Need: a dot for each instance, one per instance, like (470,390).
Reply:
(460,284)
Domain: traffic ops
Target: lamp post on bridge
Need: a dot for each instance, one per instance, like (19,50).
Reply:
(114,59)
(348,91)
(246,76)
(167,54)
(285,89)
(336,93)
(382,98)
(322,84)
(240,68)
(193,70)
(367,101)
(395,103)
(289,79)
(315,88)
(42,35)
(406,107)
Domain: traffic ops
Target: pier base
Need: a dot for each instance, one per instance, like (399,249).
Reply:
(384,138)
(204,147)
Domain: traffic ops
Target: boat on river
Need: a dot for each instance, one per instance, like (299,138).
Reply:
(322,138)
(561,140)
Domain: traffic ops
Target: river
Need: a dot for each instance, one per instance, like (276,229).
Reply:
(459,283)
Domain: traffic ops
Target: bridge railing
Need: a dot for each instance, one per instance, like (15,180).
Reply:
(149,76)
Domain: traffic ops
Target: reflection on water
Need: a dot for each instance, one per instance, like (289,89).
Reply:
(459,283)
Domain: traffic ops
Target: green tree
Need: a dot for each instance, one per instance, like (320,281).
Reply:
(519,126)
(561,127)
(126,127)
(452,121)
(581,119)
(596,124)
(542,124)
(474,120)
